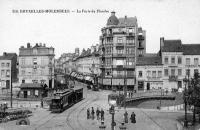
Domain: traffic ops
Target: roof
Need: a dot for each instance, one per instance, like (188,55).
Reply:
(131,21)
(149,60)
(191,49)
(172,46)
(31,85)
(112,20)
(8,56)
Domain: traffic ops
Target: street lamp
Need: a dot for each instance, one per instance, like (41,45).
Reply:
(112,112)
(122,127)
(185,100)
(102,126)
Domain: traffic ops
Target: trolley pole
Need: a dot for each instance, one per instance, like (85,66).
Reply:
(125,89)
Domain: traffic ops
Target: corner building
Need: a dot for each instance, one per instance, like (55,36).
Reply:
(36,64)
(122,41)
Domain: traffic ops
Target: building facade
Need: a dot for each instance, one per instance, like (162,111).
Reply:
(122,41)
(36,64)
(149,71)
(8,70)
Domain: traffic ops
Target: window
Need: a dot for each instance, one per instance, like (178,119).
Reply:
(108,61)
(154,74)
(130,61)
(2,73)
(119,51)
(187,61)
(119,62)
(130,50)
(131,30)
(173,72)
(173,60)
(179,60)
(179,72)
(108,50)
(3,83)
(166,72)
(2,64)
(108,72)
(35,61)
(7,73)
(196,61)
(130,73)
(187,71)
(119,40)
(196,71)
(23,81)
(130,40)
(109,40)
(148,73)
(7,64)
(120,73)
(29,93)
(166,60)
(23,61)
(140,74)
(36,92)
(23,72)
(159,74)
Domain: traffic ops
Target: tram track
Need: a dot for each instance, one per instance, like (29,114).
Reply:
(78,112)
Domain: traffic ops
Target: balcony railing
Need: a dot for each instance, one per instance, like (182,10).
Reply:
(140,37)
(154,78)
(119,55)
(119,44)
(173,78)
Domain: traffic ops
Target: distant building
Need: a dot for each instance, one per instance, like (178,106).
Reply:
(8,68)
(149,72)
(122,41)
(36,64)
(178,60)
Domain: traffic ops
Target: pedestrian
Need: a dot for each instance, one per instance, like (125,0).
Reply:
(97,113)
(88,113)
(126,117)
(102,114)
(133,120)
(92,113)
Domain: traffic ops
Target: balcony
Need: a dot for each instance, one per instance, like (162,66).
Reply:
(130,34)
(141,47)
(173,78)
(119,32)
(140,37)
(119,55)
(120,44)
(154,78)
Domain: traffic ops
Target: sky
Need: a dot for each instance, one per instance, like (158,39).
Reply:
(171,19)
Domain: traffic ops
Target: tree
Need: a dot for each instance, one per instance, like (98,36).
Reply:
(193,93)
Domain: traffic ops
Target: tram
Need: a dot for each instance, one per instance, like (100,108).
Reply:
(64,99)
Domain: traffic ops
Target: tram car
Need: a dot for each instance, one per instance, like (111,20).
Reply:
(65,98)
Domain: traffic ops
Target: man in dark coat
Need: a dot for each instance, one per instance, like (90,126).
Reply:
(133,120)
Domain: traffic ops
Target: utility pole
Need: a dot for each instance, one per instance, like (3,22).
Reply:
(125,88)
(11,87)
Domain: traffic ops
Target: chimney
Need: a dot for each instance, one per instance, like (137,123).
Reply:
(28,45)
(4,54)
(125,20)
(44,45)
(161,44)
(40,44)
(113,13)
(36,44)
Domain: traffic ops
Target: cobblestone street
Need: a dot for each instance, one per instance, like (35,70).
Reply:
(75,118)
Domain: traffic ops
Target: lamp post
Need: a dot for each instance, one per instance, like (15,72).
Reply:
(112,112)
(185,100)
(160,97)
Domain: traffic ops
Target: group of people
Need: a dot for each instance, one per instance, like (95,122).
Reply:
(99,114)
(132,118)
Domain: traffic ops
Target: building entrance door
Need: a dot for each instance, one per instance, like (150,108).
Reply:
(148,86)
(25,94)
(179,84)
(7,84)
